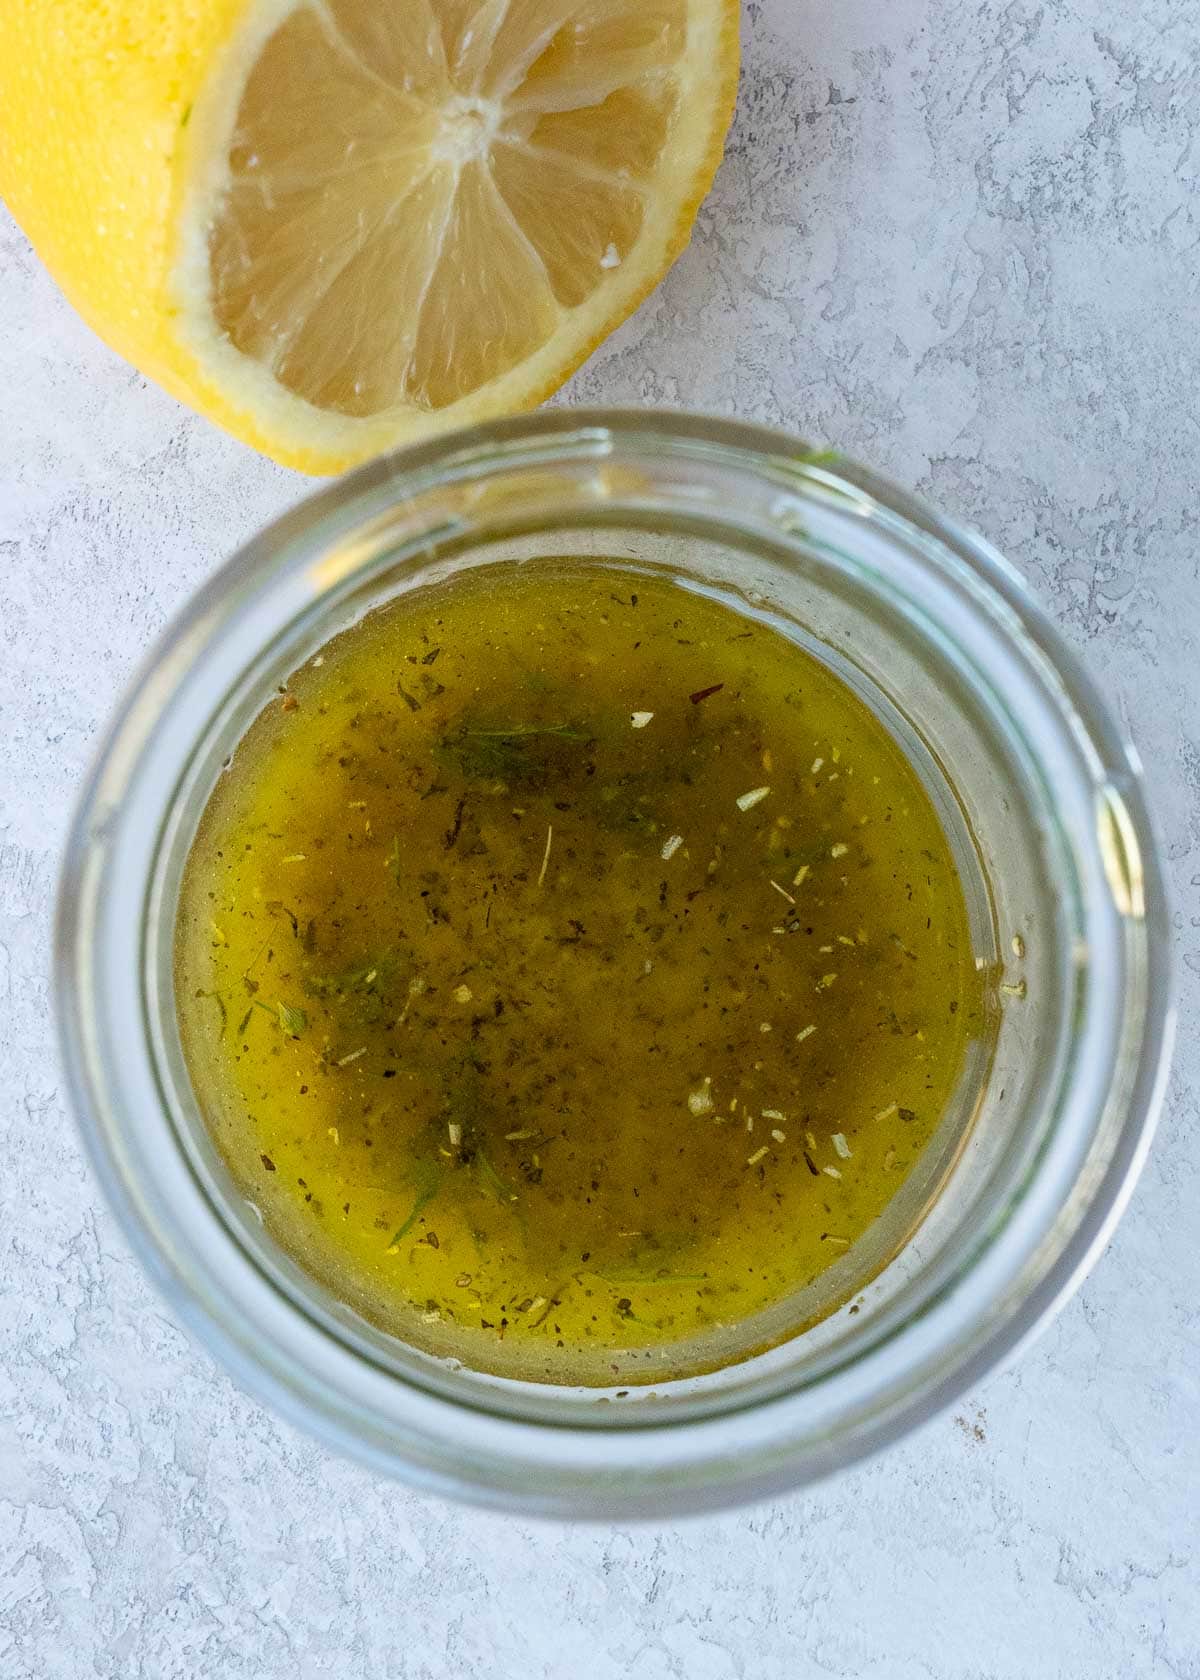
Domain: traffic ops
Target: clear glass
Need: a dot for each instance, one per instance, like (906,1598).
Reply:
(1040,795)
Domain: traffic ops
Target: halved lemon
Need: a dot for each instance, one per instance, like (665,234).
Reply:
(336,225)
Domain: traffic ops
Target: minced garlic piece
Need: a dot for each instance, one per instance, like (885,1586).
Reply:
(701,1101)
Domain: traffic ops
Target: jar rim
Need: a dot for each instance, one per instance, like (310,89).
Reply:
(556,1466)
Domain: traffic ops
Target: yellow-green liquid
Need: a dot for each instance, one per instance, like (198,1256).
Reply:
(570,967)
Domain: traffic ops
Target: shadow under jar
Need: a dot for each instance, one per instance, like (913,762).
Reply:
(1038,799)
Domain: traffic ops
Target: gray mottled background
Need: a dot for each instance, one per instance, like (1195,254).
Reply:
(960,238)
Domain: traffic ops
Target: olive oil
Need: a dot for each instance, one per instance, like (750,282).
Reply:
(569,967)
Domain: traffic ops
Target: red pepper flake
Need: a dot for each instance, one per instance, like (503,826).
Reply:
(703,693)
(267,1162)
(289,703)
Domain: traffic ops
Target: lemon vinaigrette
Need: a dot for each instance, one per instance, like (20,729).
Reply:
(570,966)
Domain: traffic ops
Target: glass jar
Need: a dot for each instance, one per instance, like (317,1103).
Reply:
(1041,797)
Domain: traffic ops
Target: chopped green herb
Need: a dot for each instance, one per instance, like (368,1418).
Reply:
(363,977)
(428,1183)
(523,757)
(293,1021)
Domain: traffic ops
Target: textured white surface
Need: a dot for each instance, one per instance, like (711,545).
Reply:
(961,239)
